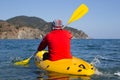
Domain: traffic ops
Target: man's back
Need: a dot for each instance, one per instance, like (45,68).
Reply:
(58,42)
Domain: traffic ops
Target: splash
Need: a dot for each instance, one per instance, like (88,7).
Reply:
(16,59)
(97,72)
(96,60)
(117,74)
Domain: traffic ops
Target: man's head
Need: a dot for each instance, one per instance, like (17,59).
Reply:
(57,24)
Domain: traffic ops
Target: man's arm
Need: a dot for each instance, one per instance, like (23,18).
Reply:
(43,44)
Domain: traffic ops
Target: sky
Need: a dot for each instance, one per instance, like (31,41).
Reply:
(101,22)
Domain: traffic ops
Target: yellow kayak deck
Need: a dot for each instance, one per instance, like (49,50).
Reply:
(74,66)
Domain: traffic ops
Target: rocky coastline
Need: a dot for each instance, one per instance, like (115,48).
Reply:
(24,27)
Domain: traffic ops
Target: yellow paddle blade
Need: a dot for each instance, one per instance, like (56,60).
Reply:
(78,13)
(23,62)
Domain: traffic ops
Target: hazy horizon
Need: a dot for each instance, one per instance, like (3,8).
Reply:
(101,22)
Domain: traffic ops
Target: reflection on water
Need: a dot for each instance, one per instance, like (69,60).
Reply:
(58,76)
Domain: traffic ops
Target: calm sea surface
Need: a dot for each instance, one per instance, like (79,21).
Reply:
(103,53)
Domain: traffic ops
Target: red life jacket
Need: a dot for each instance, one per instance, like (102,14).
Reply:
(58,42)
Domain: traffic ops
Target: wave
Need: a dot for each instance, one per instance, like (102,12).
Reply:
(98,72)
(110,59)
(97,59)
(117,74)
(100,75)
(103,72)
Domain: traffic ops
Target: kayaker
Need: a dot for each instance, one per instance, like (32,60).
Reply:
(58,42)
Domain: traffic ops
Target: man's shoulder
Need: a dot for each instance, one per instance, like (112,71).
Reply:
(66,31)
(58,31)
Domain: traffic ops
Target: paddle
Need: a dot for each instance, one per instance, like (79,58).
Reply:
(24,62)
(77,14)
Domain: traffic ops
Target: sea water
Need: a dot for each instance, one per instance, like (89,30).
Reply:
(103,53)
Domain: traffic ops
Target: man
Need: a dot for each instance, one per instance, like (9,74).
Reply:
(58,42)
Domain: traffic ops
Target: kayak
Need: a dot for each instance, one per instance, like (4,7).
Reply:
(74,66)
